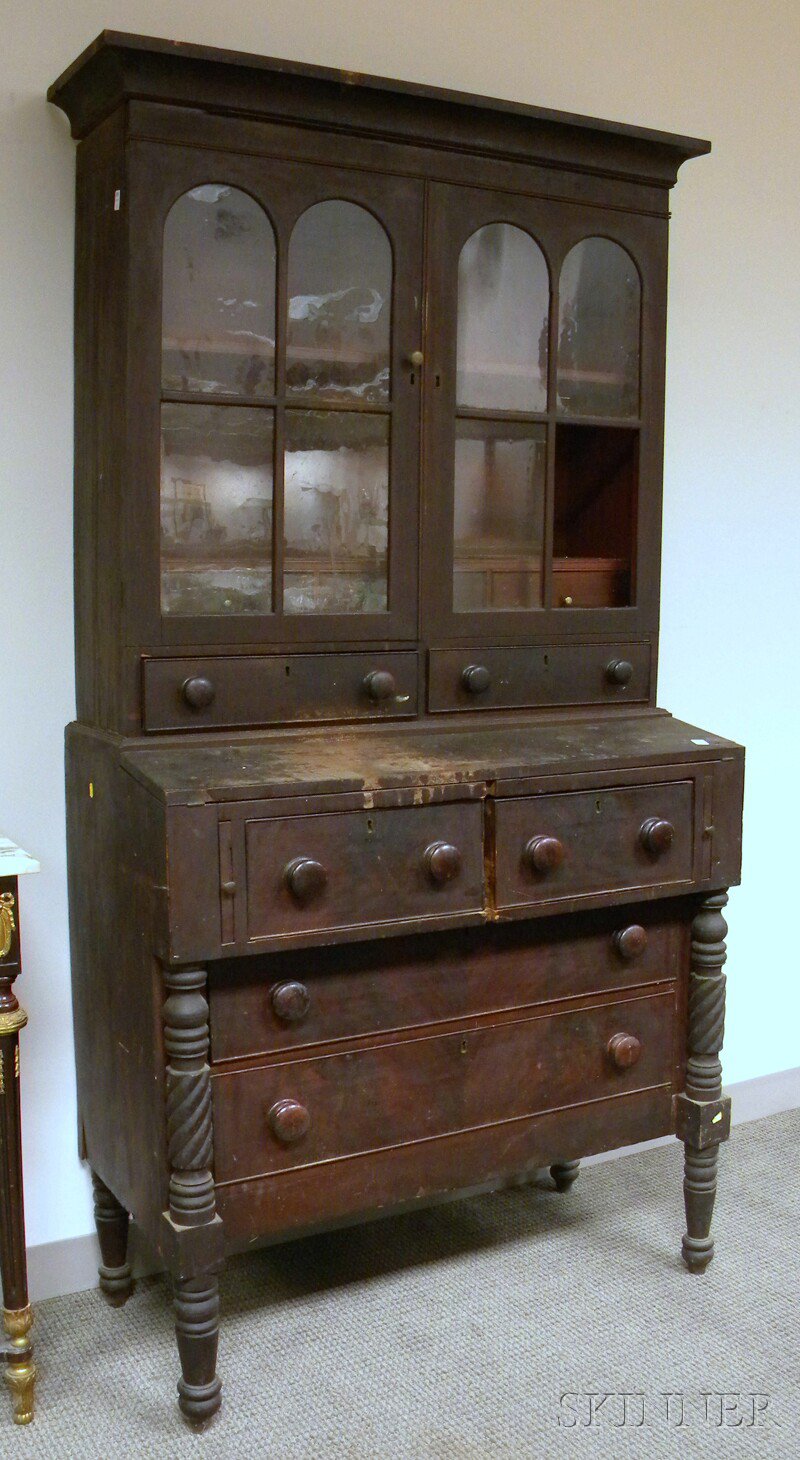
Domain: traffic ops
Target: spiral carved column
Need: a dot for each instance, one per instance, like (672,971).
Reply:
(191,1183)
(702,1112)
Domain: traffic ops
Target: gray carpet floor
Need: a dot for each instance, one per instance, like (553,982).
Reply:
(455,1332)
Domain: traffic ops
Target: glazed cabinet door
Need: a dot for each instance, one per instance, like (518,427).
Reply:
(541,481)
(275,311)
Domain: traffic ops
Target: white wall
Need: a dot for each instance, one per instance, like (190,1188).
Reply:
(726,69)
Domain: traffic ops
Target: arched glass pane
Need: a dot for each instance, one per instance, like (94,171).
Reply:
(503,300)
(218,310)
(598,331)
(340,305)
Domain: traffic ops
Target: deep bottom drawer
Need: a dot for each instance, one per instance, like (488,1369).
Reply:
(309,1111)
(374,1184)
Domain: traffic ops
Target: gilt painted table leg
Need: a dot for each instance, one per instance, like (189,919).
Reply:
(17,1349)
(194,1228)
(703,1114)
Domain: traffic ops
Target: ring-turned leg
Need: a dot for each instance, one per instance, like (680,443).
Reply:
(703,1114)
(192,1221)
(113,1224)
(564,1173)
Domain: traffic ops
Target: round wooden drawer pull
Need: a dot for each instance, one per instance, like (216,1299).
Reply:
(476,679)
(442,861)
(619,671)
(198,692)
(630,942)
(380,684)
(289,1121)
(544,853)
(290,1001)
(624,1050)
(304,877)
(656,835)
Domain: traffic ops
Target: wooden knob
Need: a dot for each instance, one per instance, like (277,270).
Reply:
(289,1120)
(544,853)
(380,684)
(290,1001)
(624,1050)
(656,835)
(304,877)
(442,861)
(476,679)
(198,692)
(630,942)
(619,671)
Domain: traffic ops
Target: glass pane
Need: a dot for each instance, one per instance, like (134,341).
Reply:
(594,531)
(598,331)
(503,300)
(218,312)
(340,305)
(336,498)
(216,509)
(498,521)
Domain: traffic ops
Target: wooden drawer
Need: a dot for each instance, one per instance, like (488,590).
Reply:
(362,868)
(296,999)
(293,1114)
(589,842)
(591,582)
(225,691)
(520,678)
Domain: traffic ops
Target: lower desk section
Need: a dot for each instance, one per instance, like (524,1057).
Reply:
(377,1182)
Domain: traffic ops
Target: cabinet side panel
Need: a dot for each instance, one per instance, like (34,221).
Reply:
(117,900)
(100,250)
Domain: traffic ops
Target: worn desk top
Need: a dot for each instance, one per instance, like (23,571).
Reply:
(340,759)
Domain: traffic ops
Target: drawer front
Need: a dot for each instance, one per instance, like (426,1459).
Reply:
(225,691)
(521,678)
(355,869)
(293,1000)
(298,1113)
(588,842)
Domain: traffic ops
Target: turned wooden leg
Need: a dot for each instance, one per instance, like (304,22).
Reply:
(112,1223)
(702,1113)
(564,1173)
(16,1349)
(197,1331)
(191,1221)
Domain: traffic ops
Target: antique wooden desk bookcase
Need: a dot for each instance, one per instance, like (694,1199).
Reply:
(388,879)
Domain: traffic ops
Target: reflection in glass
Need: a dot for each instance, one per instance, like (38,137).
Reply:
(340,305)
(598,331)
(216,509)
(218,312)
(336,497)
(594,529)
(503,299)
(498,521)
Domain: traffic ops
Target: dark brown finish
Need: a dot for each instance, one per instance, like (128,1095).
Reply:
(113,1225)
(16,1348)
(704,1078)
(393,903)
(624,1050)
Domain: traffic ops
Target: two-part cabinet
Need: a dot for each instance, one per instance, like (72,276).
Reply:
(388,879)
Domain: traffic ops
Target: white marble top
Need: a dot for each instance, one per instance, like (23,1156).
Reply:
(13,861)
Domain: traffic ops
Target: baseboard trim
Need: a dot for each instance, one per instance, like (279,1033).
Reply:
(70,1266)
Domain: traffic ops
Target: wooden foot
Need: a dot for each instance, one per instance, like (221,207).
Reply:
(197,1332)
(564,1173)
(112,1222)
(699,1191)
(20,1368)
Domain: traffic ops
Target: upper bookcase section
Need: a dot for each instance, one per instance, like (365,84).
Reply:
(118,67)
